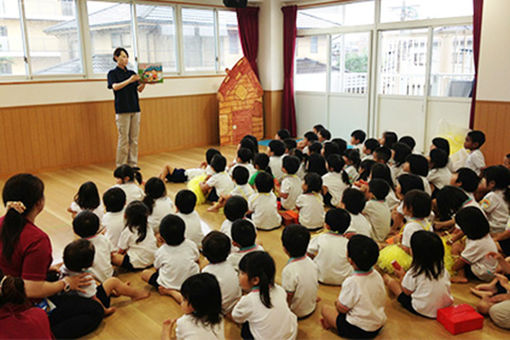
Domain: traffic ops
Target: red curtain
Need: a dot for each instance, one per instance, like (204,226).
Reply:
(248,23)
(477,32)
(289,47)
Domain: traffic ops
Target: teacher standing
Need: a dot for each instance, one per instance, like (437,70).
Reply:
(125,84)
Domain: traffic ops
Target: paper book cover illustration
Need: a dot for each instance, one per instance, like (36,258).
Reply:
(150,72)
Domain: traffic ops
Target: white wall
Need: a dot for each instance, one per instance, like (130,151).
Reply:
(270,57)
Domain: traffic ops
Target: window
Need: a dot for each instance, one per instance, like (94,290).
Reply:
(311,70)
(405,10)
(358,13)
(230,44)
(314,45)
(120,39)
(68,7)
(11,41)
(198,39)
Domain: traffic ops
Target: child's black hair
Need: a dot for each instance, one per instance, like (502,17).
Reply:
(290,144)
(354,200)
(202,291)
(477,136)
(472,222)
(185,201)
(468,179)
(261,161)
(335,162)
(338,220)
(283,134)
(363,251)
(419,202)
(241,175)
(438,158)
(330,148)
(314,182)
(216,246)
(295,239)
(124,171)
(410,182)
(409,141)
(235,208)
(341,143)
(428,254)
(371,144)
(317,164)
(449,200)
(243,233)
(154,188)
(353,156)
(264,182)
(210,153)
(86,224)
(79,255)
(311,136)
(219,163)
(402,151)
(318,127)
(247,143)
(254,141)
(114,199)
(442,143)
(172,229)
(379,188)
(136,219)
(12,290)
(325,134)
(360,135)
(245,155)
(383,153)
(418,164)
(277,147)
(500,176)
(383,172)
(260,264)
(390,138)
(87,196)
(291,164)
(315,147)
(365,167)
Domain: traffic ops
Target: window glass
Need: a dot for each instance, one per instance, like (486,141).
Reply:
(405,10)
(358,13)
(11,42)
(198,39)
(230,44)
(311,68)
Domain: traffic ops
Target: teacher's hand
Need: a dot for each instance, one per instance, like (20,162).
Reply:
(134,77)
(78,282)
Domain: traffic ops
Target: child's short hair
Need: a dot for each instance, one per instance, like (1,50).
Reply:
(371,144)
(468,179)
(311,136)
(419,202)
(449,200)
(341,143)
(363,251)
(114,199)
(210,153)
(318,127)
(261,160)
(241,175)
(338,220)
(243,233)
(290,164)
(330,148)
(315,147)
(202,291)
(216,246)
(295,239)
(442,143)
(316,163)
(79,255)
(86,224)
(290,143)
(473,222)
(335,162)
(409,141)
(402,151)
(477,136)
(283,134)
(418,164)
(313,181)
(235,208)
(379,188)
(365,167)
(219,163)
(264,182)
(409,182)
(185,201)
(383,172)
(354,200)
(245,155)
(124,171)
(438,158)
(353,156)
(390,138)
(172,229)
(383,153)
(277,147)
(325,134)
(360,135)
(498,174)
(250,142)
(87,196)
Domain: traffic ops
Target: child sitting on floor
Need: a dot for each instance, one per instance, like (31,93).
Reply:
(263,205)
(219,184)
(261,163)
(185,202)
(376,210)
(235,209)
(382,155)
(275,152)
(113,220)
(87,198)
(310,204)
(474,141)
(335,181)
(290,187)
(418,165)
(467,180)
(368,149)
(496,204)
(158,203)
(243,238)
(354,202)
(125,177)
(244,158)
(357,139)
(240,175)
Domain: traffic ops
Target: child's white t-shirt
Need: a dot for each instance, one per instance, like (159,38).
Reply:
(176,263)
(291,184)
(336,186)
(439,177)
(99,211)
(133,192)
(475,253)
(277,323)
(141,255)
(301,171)
(475,161)
(88,291)
(396,171)
(411,227)
(162,207)
(359,225)
(235,256)
(365,296)
(392,200)
(228,281)
(245,191)
(265,210)
(113,223)
(428,295)
(226,228)
(311,210)
(379,216)
(426,185)
(102,268)
(496,208)
(193,230)
(275,163)
(330,250)
(300,276)
(222,182)
(367,157)
(195,172)
(188,328)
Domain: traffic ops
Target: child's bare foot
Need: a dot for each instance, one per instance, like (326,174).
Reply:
(318,299)
(481,293)
(109,311)
(214,208)
(141,294)
(459,279)
(491,287)
(325,324)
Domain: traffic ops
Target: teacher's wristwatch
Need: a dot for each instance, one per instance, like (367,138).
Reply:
(67,286)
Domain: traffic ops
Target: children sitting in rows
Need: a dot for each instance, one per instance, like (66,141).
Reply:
(185,202)
(354,202)
(113,220)
(158,203)
(125,177)
(243,238)
(310,203)
(236,208)
(376,210)
(290,187)
(87,198)
(262,204)
(275,152)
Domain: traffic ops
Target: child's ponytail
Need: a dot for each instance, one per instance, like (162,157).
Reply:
(125,170)
(259,264)
(154,189)
(12,290)
(136,219)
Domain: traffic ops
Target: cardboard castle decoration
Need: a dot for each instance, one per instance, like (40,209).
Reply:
(240,104)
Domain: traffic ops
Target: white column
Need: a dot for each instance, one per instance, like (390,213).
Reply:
(270,56)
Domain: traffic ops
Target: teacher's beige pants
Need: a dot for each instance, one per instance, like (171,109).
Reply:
(128,128)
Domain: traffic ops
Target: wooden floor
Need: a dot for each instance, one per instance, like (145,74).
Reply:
(143,319)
